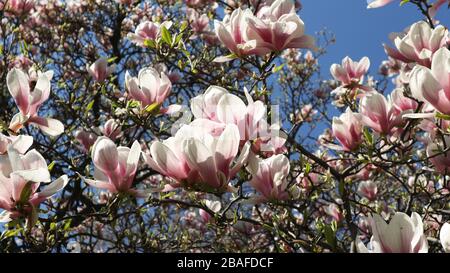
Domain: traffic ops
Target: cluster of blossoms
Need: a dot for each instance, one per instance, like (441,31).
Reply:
(273,29)
(208,152)
(432,11)
(229,168)
(421,61)
(21,174)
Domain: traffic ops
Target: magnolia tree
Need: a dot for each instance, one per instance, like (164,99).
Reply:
(206,126)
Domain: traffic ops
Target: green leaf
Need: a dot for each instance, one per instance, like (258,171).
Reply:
(330,235)
(26,193)
(442,116)
(277,68)
(368,136)
(184,26)
(307,168)
(403,2)
(112,59)
(149,43)
(152,108)
(50,166)
(67,225)
(53,226)
(90,105)
(132,104)
(178,38)
(32,218)
(166,36)
(10,233)
(170,194)
(224,59)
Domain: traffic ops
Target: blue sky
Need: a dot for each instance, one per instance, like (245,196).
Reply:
(359,31)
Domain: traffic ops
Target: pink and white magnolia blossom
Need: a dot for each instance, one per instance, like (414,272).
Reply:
(86,139)
(149,88)
(20,143)
(196,159)
(100,70)
(19,7)
(198,23)
(378,113)
(439,156)
(350,74)
(125,2)
(348,130)
(148,31)
(232,33)
(217,107)
(419,44)
(403,234)
(401,103)
(29,102)
(432,11)
(269,177)
(433,85)
(173,76)
(368,189)
(204,106)
(20,178)
(115,167)
(377,3)
(112,129)
(334,212)
(278,27)
(436,5)
(215,206)
(444,237)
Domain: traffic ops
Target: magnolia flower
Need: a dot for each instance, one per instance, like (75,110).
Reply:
(380,3)
(198,23)
(29,102)
(217,107)
(377,3)
(351,73)
(378,113)
(20,6)
(86,139)
(150,87)
(444,236)
(215,206)
(112,129)
(439,156)
(115,167)
(278,27)
(334,212)
(171,74)
(419,44)
(148,31)
(100,70)
(403,234)
(231,33)
(368,189)
(20,143)
(20,178)
(348,130)
(401,103)
(269,177)
(125,2)
(250,118)
(433,85)
(205,105)
(436,5)
(196,159)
